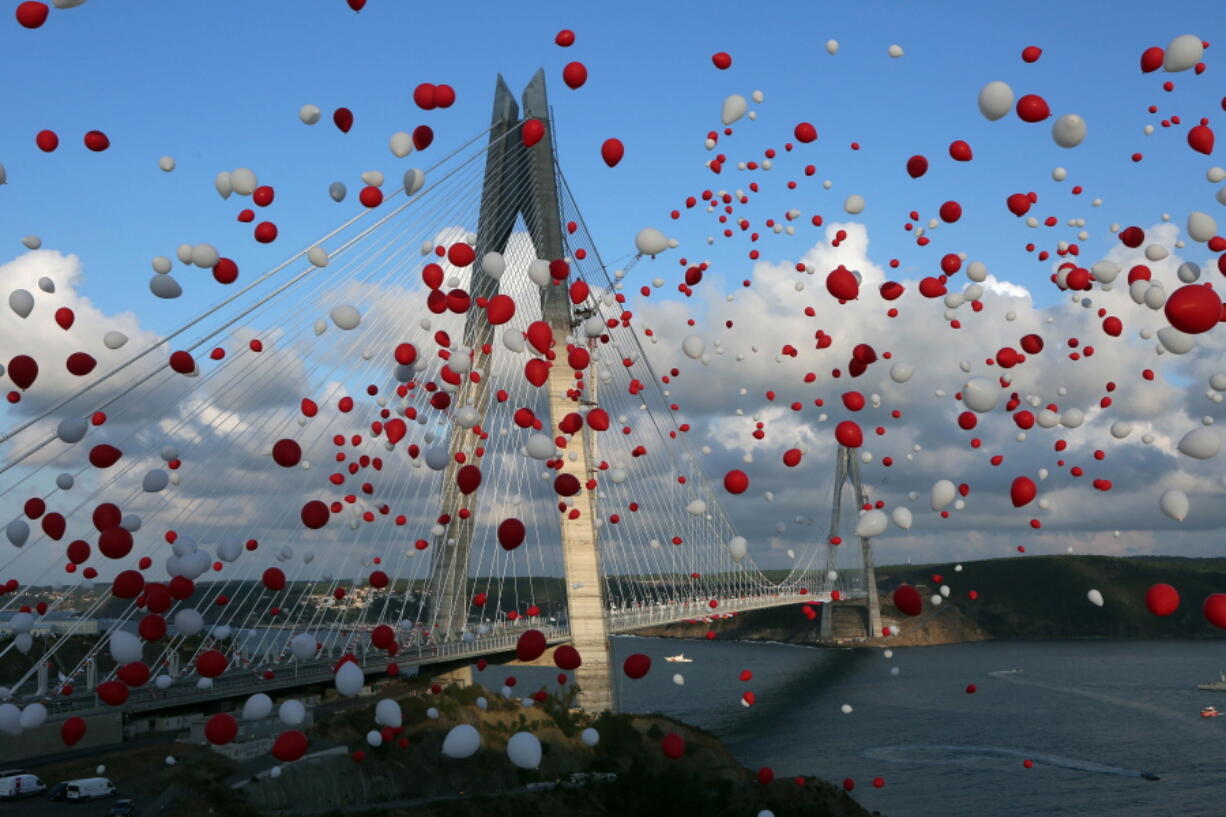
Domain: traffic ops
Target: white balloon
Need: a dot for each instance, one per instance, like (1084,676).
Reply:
(21,622)
(696,507)
(46,285)
(854,204)
(1174,504)
(17,531)
(437,458)
(462,741)
(995,100)
(901,372)
(375,738)
(24,643)
(292,712)
(10,719)
(1095,597)
(902,517)
(114,340)
(65,481)
(387,713)
(738,547)
(33,715)
(318,256)
(1105,271)
(345,317)
(493,265)
(1069,130)
(349,679)
(401,144)
(894,51)
(980,394)
(155,481)
(309,114)
(303,646)
(189,621)
(205,256)
(163,682)
(693,346)
(943,493)
(166,164)
(872,523)
(413,181)
(650,241)
(243,181)
(21,302)
(1200,443)
(337,191)
(125,647)
(224,184)
(164,286)
(524,750)
(1183,53)
(589,737)
(540,447)
(1174,341)
(373,178)
(679,679)
(257,707)
(832,47)
(735,107)
(538,273)
(1201,226)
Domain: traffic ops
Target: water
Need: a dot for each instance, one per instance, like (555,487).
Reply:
(1091,715)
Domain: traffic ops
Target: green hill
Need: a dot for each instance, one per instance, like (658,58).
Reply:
(1045,596)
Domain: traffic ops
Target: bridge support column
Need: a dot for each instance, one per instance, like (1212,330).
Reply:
(825,622)
(42,678)
(172,664)
(91,674)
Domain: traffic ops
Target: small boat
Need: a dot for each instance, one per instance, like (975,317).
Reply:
(1150,776)
(679,659)
(1215,686)
(1209,712)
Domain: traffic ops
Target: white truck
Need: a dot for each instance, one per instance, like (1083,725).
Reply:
(90,788)
(23,784)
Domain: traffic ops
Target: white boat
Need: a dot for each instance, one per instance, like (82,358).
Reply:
(679,659)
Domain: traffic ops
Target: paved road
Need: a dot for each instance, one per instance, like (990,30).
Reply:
(42,807)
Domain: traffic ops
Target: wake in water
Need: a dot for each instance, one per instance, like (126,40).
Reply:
(1013,677)
(946,755)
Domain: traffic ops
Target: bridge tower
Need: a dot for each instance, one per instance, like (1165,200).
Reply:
(847,466)
(522,181)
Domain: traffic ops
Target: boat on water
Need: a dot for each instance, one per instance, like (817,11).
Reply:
(1209,712)
(679,659)
(1150,776)
(1215,686)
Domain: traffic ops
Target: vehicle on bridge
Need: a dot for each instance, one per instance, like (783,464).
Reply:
(123,808)
(23,784)
(89,788)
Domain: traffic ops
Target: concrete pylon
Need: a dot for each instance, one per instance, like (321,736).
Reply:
(510,170)
(848,467)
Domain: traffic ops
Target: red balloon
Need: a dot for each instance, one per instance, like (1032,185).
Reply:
(842,284)
(736,482)
(46,140)
(444,96)
(383,637)
(805,132)
(511,533)
(78,551)
(114,693)
(722,60)
(1022,491)
(289,746)
(500,309)
(23,371)
(73,729)
(612,151)
(152,627)
(135,674)
(1162,599)
(265,232)
(104,456)
(33,15)
(274,579)
(960,151)
(127,585)
(567,657)
(286,453)
(791,457)
(531,645)
(80,364)
(672,745)
(182,362)
(566,485)
(64,317)
(1193,308)
(406,354)
(532,131)
(536,372)
(1032,344)
(370,196)
(565,38)
(423,96)
(598,419)
(907,600)
(1018,204)
(54,525)
(540,336)
(917,166)
(225,271)
(461,254)
(96,141)
(315,514)
(950,212)
(356,5)
(1200,139)
(468,479)
(1151,59)
(1215,610)
(1031,53)
(423,135)
(849,434)
(222,727)
(211,663)
(1032,108)
(343,119)
(263,195)
(636,666)
(574,74)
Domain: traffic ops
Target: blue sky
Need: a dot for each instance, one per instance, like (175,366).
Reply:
(218,85)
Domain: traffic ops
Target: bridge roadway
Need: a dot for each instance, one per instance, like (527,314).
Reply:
(292,674)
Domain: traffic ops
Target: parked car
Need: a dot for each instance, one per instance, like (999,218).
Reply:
(89,788)
(20,785)
(58,792)
(123,808)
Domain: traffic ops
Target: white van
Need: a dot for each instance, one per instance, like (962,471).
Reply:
(20,785)
(90,788)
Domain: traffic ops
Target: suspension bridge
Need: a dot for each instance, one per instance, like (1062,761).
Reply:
(473,486)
